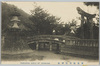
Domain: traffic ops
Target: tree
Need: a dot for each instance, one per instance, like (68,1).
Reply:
(92,3)
(25,23)
(44,22)
(14,40)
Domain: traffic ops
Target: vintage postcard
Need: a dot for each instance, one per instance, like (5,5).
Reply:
(50,33)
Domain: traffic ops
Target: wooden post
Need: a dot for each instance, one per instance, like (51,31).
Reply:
(37,46)
(50,46)
(44,45)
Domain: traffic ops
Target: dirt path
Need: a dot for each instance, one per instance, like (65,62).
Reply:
(49,55)
(43,56)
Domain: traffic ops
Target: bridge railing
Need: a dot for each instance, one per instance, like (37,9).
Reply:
(83,42)
(73,42)
(81,46)
(46,36)
(50,37)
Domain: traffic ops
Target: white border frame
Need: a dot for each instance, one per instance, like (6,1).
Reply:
(50,1)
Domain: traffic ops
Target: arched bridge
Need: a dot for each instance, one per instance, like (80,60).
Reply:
(65,44)
(47,42)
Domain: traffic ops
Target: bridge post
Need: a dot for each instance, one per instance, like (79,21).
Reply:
(50,46)
(37,45)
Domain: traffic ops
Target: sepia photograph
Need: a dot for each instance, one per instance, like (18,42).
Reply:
(46,33)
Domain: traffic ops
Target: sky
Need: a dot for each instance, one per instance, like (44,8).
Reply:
(65,10)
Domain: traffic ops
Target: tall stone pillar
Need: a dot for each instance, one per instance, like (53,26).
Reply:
(82,28)
(91,28)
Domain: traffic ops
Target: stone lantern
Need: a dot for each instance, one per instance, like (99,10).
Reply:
(13,34)
(14,41)
(15,20)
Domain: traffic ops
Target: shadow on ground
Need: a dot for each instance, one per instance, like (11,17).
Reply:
(21,57)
